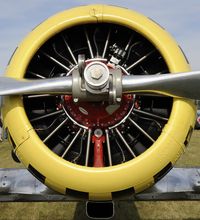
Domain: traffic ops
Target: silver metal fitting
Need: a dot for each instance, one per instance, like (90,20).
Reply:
(115,86)
(96,75)
(98,83)
(98,133)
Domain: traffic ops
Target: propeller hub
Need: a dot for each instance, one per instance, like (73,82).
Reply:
(96,76)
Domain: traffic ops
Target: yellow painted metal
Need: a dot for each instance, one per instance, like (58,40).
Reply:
(14,118)
(137,173)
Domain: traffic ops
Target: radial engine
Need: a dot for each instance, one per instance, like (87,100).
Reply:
(93,107)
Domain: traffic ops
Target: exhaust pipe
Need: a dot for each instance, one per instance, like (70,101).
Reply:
(100,210)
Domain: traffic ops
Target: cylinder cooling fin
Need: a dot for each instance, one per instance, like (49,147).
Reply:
(98,150)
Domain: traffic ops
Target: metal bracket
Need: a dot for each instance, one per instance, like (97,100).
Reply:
(96,82)
(18,185)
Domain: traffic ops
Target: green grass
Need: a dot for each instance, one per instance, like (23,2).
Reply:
(124,210)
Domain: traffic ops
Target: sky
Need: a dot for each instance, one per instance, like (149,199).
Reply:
(180,18)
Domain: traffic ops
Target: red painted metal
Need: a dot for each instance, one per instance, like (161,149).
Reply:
(98,114)
(98,151)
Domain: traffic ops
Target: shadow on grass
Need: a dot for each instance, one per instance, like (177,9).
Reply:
(123,210)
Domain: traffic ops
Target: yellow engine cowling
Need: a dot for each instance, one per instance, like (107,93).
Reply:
(65,175)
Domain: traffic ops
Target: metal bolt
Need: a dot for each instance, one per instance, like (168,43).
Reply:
(75,99)
(96,73)
(118,99)
(98,132)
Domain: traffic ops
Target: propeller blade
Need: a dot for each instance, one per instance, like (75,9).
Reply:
(184,85)
(11,86)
